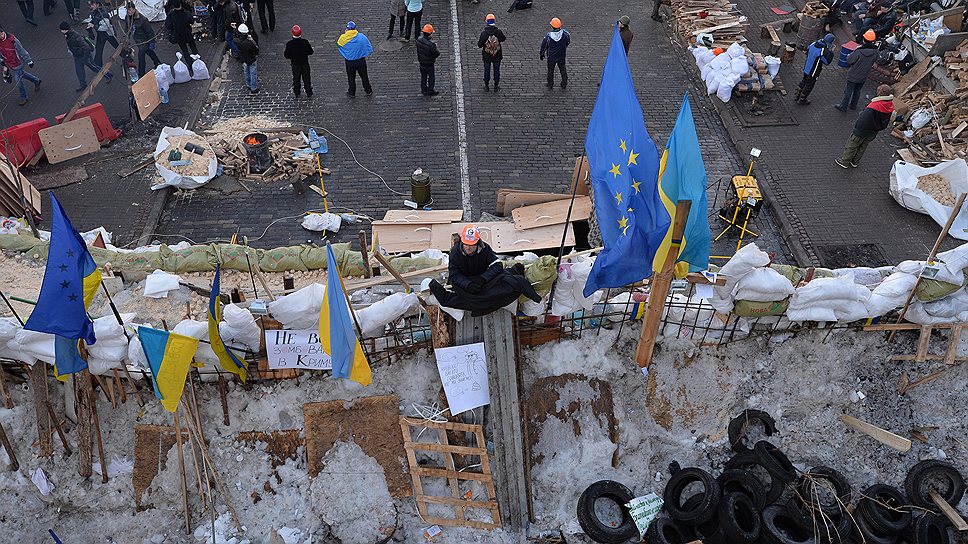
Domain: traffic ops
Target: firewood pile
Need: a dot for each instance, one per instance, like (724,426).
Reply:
(815,9)
(291,156)
(944,137)
(956,62)
(720,18)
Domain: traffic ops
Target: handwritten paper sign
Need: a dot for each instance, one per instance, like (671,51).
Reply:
(296,349)
(463,371)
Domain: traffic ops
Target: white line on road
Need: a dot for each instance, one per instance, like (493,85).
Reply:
(465,175)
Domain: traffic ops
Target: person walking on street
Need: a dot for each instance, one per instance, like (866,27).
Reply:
(27,9)
(354,46)
(143,36)
(73,8)
(262,6)
(875,118)
(297,51)
(491,51)
(427,54)
(554,46)
(414,13)
(16,60)
(82,53)
(179,27)
(100,22)
(625,32)
(819,54)
(249,55)
(231,19)
(860,62)
(656,4)
(398,10)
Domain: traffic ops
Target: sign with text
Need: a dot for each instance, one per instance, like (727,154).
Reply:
(296,349)
(463,372)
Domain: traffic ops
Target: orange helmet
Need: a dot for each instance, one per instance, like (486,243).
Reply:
(428,28)
(470,235)
(718,51)
(870,35)
(555,23)
(490,19)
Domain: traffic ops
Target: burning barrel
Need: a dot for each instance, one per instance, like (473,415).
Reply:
(257,149)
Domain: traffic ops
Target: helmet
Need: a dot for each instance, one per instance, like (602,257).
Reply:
(490,19)
(350,25)
(870,36)
(555,23)
(296,31)
(428,28)
(470,235)
(625,20)
(243,29)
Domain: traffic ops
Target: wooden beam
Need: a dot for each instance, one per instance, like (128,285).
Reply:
(393,271)
(38,382)
(949,512)
(884,437)
(14,464)
(85,453)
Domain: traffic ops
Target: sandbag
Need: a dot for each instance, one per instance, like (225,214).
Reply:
(199,69)
(736,51)
(951,309)
(891,293)
(299,310)
(8,331)
(239,329)
(743,262)
(180,70)
(569,296)
(829,299)
(197,329)
(749,308)
(32,346)
(111,347)
(763,285)
(375,317)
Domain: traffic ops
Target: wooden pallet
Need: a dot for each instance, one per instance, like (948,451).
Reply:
(950,356)
(450,473)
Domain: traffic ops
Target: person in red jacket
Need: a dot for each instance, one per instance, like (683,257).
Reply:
(875,118)
(16,59)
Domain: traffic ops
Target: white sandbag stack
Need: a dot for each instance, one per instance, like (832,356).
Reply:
(378,315)
(111,349)
(299,310)
(569,296)
(238,328)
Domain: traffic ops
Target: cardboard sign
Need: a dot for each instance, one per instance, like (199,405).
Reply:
(463,371)
(296,349)
(146,95)
(69,140)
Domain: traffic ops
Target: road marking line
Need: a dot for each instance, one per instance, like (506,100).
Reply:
(465,175)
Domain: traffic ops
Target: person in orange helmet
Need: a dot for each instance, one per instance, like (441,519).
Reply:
(427,54)
(554,46)
(490,44)
(472,262)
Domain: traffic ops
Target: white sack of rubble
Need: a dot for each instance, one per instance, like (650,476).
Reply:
(891,293)
(31,346)
(159,283)
(829,299)
(239,329)
(376,316)
(197,329)
(111,347)
(8,331)
(299,310)
(763,285)
(136,354)
(748,258)
(175,179)
(950,309)
(904,188)
(569,297)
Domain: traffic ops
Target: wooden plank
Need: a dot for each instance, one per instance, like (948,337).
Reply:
(146,95)
(715,28)
(452,483)
(363,284)
(580,175)
(954,337)
(450,501)
(907,156)
(957,131)
(422,216)
(915,76)
(948,511)
(929,357)
(884,437)
(450,448)
(398,238)
(924,341)
(38,382)
(69,140)
(488,485)
(436,472)
(449,425)
(505,238)
(516,199)
(451,522)
(9,177)
(412,460)
(551,213)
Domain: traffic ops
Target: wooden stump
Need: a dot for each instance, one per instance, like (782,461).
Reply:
(45,438)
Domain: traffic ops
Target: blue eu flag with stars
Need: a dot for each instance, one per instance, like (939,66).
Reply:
(624,166)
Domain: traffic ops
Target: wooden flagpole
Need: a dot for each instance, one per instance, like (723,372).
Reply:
(660,284)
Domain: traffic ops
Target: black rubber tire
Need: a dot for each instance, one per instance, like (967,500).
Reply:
(884,508)
(778,528)
(929,529)
(709,532)
(775,462)
(739,518)
(917,483)
(742,481)
(595,528)
(865,533)
(737,428)
(837,532)
(741,461)
(806,490)
(665,530)
(672,496)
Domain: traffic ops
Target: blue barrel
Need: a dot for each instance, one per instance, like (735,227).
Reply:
(846,50)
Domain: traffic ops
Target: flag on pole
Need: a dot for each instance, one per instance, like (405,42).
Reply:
(227,359)
(336,331)
(169,356)
(682,176)
(71,279)
(623,166)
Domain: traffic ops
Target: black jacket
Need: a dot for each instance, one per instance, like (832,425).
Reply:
(875,117)
(298,51)
(626,34)
(491,30)
(77,45)
(860,62)
(179,25)
(463,267)
(554,45)
(427,52)
(248,51)
(141,31)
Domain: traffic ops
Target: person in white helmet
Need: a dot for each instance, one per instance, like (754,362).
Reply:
(249,56)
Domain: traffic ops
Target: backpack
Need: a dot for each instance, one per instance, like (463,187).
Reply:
(492,45)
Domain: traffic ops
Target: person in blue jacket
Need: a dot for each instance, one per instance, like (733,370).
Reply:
(355,47)
(819,54)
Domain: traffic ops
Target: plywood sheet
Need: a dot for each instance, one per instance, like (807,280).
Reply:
(581,176)
(551,213)
(69,140)
(373,423)
(402,237)
(441,237)
(422,216)
(503,237)
(502,195)
(151,446)
(10,189)
(515,200)
(146,95)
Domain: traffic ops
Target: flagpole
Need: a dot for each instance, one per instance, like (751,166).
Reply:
(564,232)
(660,284)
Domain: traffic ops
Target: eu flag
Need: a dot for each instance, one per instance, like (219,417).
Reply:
(70,281)
(624,166)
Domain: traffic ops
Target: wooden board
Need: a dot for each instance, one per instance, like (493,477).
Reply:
(884,437)
(397,238)
(69,140)
(516,199)
(9,186)
(146,95)
(551,213)
(151,446)
(503,237)
(580,175)
(422,216)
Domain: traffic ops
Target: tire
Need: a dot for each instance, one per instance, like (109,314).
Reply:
(924,476)
(825,529)
(884,508)
(737,428)
(672,496)
(779,528)
(664,530)
(867,534)
(929,529)
(595,528)
(775,461)
(807,490)
(741,481)
(742,461)
(739,519)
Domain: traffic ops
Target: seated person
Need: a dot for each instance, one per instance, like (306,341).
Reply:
(479,282)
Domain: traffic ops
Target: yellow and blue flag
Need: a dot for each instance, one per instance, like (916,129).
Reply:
(624,167)
(354,45)
(169,356)
(682,176)
(336,331)
(70,281)
(227,359)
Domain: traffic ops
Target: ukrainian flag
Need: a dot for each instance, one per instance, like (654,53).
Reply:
(354,45)
(227,359)
(169,356)
(682,176)
(70,281)
(336,331)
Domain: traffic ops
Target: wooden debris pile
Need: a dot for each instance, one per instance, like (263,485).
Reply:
(815,9)
(944,137)
(956,62)
(291,157)
(16,191)
(720,18)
